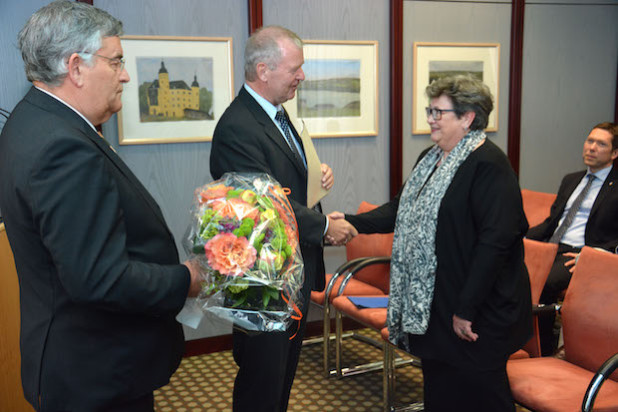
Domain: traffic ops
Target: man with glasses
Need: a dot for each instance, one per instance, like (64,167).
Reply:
(100,280)
(585,213)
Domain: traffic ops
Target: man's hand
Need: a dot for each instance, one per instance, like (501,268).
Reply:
(340,231)
(196,278)
(463,329)
(571,262)
(328,180)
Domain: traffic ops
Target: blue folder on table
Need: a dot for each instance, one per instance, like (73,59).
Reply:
(366,302)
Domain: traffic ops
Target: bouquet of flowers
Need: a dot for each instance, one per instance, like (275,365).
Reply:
(244,235)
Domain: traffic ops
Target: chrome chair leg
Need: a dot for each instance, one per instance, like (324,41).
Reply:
(326,346)
(338,342)
(388,378)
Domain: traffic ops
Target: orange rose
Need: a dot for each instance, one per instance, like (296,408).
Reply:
(235,208)
(230,255)
(214,192)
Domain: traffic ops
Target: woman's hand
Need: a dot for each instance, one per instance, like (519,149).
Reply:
(463,329)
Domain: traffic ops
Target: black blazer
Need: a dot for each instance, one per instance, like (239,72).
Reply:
(100,282)
(480,274)
(247,140)
(602,227)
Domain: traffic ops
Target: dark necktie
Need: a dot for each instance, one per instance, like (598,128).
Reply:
(568,220)
(285,126)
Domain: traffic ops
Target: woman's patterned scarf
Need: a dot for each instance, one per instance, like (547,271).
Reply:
(413,262)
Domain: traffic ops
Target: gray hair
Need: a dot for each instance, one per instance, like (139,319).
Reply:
(55,32)
(263,47)
(468,94)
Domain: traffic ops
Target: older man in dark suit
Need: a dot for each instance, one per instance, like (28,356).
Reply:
(255,135)
(100,281)
(585,212)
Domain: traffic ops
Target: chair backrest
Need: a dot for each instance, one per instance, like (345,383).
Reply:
(536,205)
(378,244)
(539,258)
(590,310)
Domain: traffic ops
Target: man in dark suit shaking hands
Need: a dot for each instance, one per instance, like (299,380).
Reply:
(255,135)
(100,281)
(585,213)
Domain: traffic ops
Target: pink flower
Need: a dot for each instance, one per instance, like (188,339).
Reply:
(230,255)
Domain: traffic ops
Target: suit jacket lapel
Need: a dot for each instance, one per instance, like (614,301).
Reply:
(52,105)
(270,129)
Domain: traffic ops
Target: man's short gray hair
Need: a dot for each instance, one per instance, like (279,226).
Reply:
(263,47)
(55,32)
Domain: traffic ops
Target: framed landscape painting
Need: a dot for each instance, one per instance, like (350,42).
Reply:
(339,95)
(435,60)
(179,88)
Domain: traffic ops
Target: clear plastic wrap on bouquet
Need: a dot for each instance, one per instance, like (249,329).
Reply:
(244,234)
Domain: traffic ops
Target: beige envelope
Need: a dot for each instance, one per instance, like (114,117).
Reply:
(315,191)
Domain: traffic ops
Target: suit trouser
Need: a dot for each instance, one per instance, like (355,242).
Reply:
(267,364)
(450,388)
(557,281)
(143,404)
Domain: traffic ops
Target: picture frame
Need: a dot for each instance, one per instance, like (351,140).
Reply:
(431,60)
(339,97)
(179,88)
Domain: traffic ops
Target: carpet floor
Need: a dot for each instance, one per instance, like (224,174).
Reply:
(204,383)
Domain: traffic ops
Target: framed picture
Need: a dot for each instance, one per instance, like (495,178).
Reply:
(435,60)
(339,96)
(179,88)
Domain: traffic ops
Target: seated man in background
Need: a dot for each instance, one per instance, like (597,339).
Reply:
(585,213)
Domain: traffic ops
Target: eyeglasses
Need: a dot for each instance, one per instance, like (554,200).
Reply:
(116,62)
(436,113)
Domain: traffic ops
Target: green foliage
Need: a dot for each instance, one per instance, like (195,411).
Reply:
(143,99)
(205,100)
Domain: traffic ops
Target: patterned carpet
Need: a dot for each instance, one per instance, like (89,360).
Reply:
(204,383)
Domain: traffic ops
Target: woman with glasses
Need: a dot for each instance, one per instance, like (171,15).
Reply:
(459,290)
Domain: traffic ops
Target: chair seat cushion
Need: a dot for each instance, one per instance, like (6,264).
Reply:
(554,385)
(353,288)
(374,318)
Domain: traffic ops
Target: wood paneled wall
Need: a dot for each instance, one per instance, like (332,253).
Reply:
(11,394)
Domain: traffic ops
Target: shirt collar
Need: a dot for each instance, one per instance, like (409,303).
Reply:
(69,106)
(601,174)
(270,109)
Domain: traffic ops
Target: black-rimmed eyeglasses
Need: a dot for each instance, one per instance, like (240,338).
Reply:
(436,113)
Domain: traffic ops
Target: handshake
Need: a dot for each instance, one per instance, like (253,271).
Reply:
(340,231)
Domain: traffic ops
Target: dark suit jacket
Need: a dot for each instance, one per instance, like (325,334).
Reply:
(602,227)
(247,140)
(100,282)
(480,274)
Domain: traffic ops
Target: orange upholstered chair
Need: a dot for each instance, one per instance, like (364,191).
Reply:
(536,205)
(539,258)
(372,280)
(590,327)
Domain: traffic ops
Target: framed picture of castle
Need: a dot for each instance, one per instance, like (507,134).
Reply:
(179,88)
(436,60)
(339,95)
